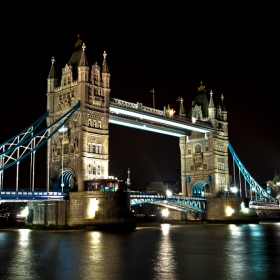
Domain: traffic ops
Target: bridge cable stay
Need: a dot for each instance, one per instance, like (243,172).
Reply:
(254,186)
(23,134)
(27,142)
(18,139)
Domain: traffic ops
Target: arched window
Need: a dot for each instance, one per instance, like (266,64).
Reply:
(94,170)
(197,148)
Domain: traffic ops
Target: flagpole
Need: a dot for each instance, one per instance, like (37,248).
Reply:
(153,91)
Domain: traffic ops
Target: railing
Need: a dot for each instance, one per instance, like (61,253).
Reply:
(161,113)
(179,203)
(31,195)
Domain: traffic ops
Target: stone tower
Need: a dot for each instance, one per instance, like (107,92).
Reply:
(79,151)
(204,157)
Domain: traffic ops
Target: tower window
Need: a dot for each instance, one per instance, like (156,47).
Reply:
(198,148)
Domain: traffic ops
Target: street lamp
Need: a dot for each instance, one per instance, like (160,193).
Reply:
(61,130)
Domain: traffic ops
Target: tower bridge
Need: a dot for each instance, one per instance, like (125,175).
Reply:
(79,110)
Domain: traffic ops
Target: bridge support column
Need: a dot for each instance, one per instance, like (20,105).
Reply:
(182,143)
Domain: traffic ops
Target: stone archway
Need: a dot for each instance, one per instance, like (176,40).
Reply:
(201,189)
(68,179)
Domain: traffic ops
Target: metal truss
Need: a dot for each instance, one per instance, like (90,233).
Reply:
(186,205)
(251,181)
(28,141)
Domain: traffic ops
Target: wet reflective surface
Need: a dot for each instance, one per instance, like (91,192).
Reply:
(157,252)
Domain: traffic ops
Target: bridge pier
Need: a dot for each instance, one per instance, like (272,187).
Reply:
(88,208)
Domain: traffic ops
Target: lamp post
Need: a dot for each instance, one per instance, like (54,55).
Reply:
(61,130)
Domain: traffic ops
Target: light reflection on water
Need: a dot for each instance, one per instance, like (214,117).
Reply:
(166,252)
(164,264)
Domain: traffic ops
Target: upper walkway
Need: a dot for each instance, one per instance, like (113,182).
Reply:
(165,122)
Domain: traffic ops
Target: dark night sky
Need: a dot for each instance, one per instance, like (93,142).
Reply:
(232,49)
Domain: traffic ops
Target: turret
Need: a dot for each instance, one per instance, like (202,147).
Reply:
(211,107)
(224,112)
(52,80)
(182,111)
(106,80)
(105,72)
(83,69)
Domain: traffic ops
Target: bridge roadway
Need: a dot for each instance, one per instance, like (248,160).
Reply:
(25,196)
(186,205)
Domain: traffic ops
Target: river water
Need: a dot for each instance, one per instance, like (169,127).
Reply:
(156,252)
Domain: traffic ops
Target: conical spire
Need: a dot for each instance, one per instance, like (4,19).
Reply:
(182,111)
(222,103)
(105,68)
(211,102)
(52,73)
(83,60)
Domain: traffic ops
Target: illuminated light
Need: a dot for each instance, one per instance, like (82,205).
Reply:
(165,228)
(63,129)
(234,189)
(23,213)
(229,211)
(92,207)
(165,212)
(147,128)
(168,193)
(164,121)
(245,210)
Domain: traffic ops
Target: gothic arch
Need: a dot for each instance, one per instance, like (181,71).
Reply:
(68,179)
(201,189)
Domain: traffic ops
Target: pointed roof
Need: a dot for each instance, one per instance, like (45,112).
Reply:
(83,60)
(76,57)
(105,68)
(52,73)
(201,100)
(182,111)
(222,103)
(211,102)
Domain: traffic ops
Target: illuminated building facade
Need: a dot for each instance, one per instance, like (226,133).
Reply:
(79,152)
(204,157)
